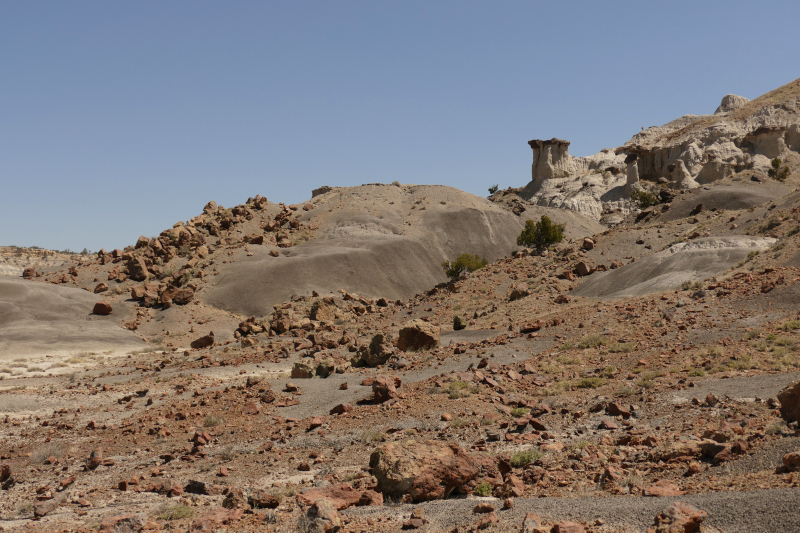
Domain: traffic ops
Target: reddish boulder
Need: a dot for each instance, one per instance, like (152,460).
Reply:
(424,470)
(29,273)
(792,461)
(341,409)
(325,517)
(385,389)
(203,342)
(790,402)
(678,518)
(342,496)
(568,527)
(101,287)
(102,308)
(142,241)
(213,520)
(563,299)
(662,489)
(418,335)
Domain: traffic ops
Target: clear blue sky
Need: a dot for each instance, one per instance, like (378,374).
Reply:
(121,118)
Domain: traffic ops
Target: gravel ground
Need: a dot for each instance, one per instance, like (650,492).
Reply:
(767,511)
(763,386)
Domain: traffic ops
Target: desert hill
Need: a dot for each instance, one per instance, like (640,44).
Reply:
(644,372)
(742,136)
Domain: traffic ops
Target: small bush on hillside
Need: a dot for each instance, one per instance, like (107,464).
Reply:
(776,172)
(483,489)
(643,199)
(541,235)
(493,189)
(520,459)
(463,263)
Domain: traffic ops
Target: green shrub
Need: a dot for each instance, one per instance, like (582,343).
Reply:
(520,411)
(494,188)
(791,325)
(621,347)
(484,489)
(591,383)
(593,340)
(541,235)
(776,172)
(642,198)
(463,263)
(520,459)
(176,512)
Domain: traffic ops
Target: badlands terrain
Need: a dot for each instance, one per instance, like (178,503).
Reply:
(310,367)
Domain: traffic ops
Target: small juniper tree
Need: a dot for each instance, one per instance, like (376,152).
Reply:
(776,172)
(494,188)
(541,235)
(463,263)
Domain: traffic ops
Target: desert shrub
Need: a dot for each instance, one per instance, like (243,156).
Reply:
(592,340)
(520,459)
(463,263)
(460,389)
(791,325)
(176,512)
(494,188)
(520,411)
(777,172)
(686,285)
(591,383)
(211,421)
(484,489)
(542,234)
(372,435)
(621,347)
(642,198)
(459,423)
(54,449)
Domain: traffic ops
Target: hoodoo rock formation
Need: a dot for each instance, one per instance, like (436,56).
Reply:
(689,152)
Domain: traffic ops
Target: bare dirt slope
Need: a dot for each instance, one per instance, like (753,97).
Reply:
(36,319)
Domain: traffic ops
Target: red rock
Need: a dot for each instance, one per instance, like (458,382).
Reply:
(95,459)
(29,273)
(790,402)
(563,299)
(102,308)
(342,496)
(791,461)
(203,342)
(315,422)
(251,408)
(343,386)
(568,527)
(680,517)
(446,417)
(223,471)
(616,409)
(212,520)
(274,253)
(483,507)
(486,521)
(662,489)
(142,241)
(341,409)
(325,517)
(43,507)
(418,335)
(423,470)
(5,472)
(532,524)
(101,287)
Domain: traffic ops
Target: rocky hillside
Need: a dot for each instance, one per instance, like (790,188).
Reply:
(310,368)
(742,136)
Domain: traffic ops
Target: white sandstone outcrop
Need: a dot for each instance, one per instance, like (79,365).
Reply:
(688,152)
